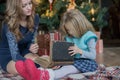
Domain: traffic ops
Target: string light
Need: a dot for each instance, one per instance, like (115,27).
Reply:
(93,19)
(71,5)
(92,11)
(38,1)
(89,1)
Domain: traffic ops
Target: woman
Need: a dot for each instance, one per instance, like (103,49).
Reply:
(18,31)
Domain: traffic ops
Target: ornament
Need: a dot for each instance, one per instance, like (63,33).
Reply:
(71,5)
(38,1)
(72,1)
(50,1)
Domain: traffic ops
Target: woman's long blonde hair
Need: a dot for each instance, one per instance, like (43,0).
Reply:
(76,21)
(14,15)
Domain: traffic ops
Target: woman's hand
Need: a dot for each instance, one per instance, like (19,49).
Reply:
(74,50)
(34,48)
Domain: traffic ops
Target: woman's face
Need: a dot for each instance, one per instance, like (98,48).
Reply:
(27,7)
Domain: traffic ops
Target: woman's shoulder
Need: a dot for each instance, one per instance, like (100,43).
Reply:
(3,29)
(36,19)
(4,26)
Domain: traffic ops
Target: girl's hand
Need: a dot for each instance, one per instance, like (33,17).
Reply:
(34,48)
(74,50)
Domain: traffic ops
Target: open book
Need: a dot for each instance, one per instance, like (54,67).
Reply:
(44,61)
(59,51)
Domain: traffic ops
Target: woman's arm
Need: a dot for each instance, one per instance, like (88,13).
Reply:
(13,46)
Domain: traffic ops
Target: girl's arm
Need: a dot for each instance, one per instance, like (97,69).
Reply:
(91,54)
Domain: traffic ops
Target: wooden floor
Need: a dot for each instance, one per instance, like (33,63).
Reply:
(111,56)
(111,42)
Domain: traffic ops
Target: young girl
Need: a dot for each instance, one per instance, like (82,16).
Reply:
(77,29)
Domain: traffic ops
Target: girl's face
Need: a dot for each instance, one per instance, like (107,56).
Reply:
(69,31)
(27,7)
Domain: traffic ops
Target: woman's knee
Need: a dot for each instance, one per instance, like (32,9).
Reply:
(11,68)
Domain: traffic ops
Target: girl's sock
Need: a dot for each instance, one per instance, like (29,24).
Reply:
(50,72)
(64,71)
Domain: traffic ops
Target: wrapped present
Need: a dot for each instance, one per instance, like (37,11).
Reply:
(43,41)
(55,36)
(99,51)
(99,46)
(98,34)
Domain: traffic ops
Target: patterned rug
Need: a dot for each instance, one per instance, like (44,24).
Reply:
(103,73)
(6,76)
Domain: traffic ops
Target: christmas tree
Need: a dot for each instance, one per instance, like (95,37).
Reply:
(94,13)
(50,12)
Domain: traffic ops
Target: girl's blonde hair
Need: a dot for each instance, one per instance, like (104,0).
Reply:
(14,14)
(76,21)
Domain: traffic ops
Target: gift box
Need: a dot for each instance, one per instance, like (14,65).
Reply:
(99,46)
(43,41)
(55,36)
(99,51)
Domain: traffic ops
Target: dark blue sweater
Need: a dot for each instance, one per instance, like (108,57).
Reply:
(10,49)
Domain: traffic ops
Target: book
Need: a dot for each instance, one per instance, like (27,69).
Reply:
(44,61)
(60,52)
